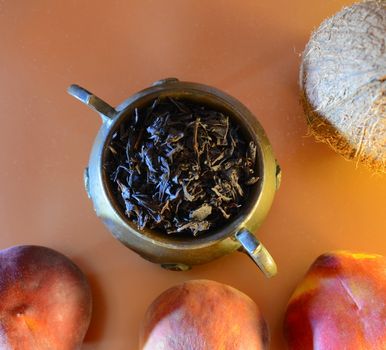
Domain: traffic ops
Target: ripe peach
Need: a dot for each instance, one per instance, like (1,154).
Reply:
(45,300)
(340,304)
(203,315)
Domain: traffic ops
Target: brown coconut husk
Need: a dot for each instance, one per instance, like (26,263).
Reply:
(343,83)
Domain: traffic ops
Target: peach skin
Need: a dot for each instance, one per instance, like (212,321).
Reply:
(45,300)
(204,315)
(339,305)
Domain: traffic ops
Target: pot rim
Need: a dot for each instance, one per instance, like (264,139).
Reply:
(237,111)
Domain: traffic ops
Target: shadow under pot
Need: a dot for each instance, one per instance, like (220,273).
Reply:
(181,249)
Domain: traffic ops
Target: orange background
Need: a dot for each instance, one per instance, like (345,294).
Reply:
(248,48)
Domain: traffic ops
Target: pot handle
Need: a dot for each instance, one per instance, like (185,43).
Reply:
(257,252)
(94,102)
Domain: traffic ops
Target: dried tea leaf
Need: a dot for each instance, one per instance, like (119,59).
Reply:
(202,212)
(195,226)
(180,167)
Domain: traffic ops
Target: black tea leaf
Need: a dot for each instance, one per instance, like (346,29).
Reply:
(180,167)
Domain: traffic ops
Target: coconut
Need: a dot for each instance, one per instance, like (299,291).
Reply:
(342,80)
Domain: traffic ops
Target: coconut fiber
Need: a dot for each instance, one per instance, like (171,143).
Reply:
(342,80)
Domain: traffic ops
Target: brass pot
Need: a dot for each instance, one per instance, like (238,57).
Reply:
(171,252)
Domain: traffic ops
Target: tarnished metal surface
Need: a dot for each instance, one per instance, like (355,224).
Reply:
(168,250)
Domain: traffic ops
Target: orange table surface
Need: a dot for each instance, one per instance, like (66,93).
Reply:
(250,49)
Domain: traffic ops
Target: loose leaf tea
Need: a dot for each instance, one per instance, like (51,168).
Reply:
(180,167)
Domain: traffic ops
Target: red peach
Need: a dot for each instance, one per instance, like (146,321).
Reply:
(339,305)
(45,300)
(203,315)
